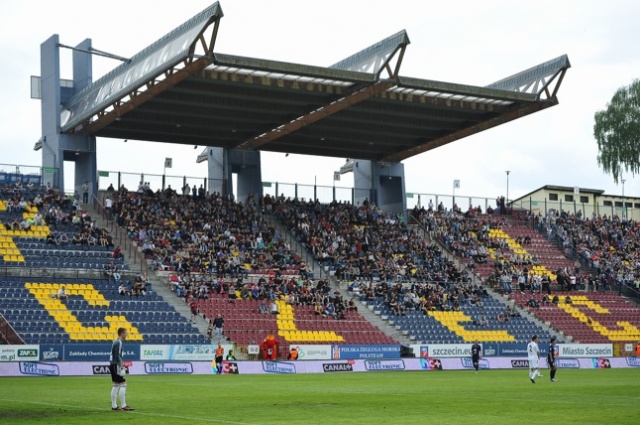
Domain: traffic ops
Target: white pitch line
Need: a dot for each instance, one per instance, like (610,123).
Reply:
(136,412)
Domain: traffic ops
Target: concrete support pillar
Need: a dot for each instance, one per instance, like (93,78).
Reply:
(58,147)
(381,183)
(223,163)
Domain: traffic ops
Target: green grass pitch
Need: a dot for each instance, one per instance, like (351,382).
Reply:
(491,397)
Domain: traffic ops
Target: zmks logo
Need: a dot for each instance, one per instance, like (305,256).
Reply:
(42,369)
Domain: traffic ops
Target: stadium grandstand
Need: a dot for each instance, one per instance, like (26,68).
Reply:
(367,271)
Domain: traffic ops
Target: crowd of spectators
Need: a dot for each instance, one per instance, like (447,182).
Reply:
(467,235)
(362,242)
(212,241)
(380,257)
(610,245)
(293,290)
(69,222)
(67,218)
(425,297)
(203,234)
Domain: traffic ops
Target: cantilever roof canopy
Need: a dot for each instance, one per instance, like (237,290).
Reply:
(178,90)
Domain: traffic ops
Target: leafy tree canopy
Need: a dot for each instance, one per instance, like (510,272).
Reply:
(617,131)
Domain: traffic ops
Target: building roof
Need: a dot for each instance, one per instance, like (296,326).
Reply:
(180,90)
(550,187)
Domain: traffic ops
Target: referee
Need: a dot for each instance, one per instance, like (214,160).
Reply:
(551,358)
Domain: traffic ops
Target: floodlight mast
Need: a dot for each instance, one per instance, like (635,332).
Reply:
(93,51)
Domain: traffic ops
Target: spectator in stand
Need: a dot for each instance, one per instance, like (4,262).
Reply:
(38,220)
(51,239)
(85,192)
(62,293)
(116,274)
(108,205)
(352,305)
(210,329)
(218,327)
(139,287)
(193,306)
(77,239)
(273,309)
(25,224)
(117,253)
(63,239)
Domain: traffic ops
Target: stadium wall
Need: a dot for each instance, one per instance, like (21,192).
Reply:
(198,352)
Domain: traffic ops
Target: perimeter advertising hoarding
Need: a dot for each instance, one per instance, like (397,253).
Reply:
(51,352)
(193,352)
(98,352)
(441,350)
(24,179)
(313,352)
(427,365)
(585,350)
(342,352)
(506,349)
(633,361)
(39,369)
(19,353)
(491,349)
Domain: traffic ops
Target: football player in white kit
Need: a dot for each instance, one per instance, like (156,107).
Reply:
(533,352)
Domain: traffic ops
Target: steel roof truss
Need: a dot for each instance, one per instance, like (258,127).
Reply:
(316,115)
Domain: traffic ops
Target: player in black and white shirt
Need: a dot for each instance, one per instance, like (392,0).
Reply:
(476,353)
(551,358)
(116,367)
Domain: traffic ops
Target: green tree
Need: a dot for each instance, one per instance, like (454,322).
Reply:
(617,131)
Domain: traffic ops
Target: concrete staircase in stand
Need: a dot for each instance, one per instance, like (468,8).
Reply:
(366,311)
(159,280)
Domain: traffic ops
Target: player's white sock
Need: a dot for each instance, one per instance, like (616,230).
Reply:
(123,390)
(114,395)
(536,373)
(530,374)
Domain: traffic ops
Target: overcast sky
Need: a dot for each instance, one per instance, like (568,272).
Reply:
(470,42)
